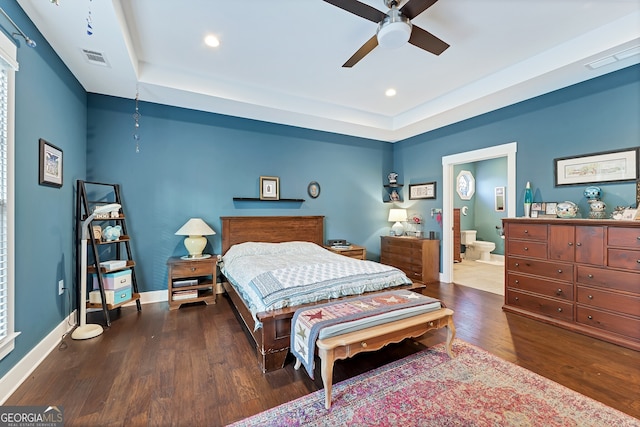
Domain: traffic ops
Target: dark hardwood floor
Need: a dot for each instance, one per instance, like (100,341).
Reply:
(195,367)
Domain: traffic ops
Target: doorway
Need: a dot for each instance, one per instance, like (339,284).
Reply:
(448,163)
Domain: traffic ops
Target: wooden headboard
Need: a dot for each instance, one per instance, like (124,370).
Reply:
(271,229)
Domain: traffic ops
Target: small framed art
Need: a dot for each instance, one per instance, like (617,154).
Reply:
(269,188)
(422,191)
(50,170)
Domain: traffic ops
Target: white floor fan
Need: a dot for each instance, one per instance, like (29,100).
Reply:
(85,331)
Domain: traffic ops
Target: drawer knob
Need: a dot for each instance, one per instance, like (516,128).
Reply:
(517,264)
(578,244)
(526,249)
(193,269)
(559,270)
(590,296)
(527,232)
(589,317)
(590,276)
(517,281)
(363,344)
(517,298)
(430,323)
(559,309)
(559,291)
(638,261)
(570,244)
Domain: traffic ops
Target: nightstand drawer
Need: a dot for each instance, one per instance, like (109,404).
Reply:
(190,269)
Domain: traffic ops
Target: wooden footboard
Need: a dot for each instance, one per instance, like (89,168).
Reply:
(273,338)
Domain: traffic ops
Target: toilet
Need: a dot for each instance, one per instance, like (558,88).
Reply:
(481,248)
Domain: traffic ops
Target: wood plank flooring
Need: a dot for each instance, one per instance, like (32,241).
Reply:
(195,366)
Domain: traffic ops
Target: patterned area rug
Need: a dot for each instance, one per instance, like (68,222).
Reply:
(429,389)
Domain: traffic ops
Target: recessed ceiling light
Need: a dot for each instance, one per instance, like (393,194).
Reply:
(212,41)
(390,92)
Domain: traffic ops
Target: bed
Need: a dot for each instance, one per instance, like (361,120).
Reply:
(270,330)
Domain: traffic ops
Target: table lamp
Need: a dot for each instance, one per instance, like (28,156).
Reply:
(195,229)
(85,331)
(397,215)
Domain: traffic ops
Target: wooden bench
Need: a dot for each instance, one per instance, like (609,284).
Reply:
(374,338)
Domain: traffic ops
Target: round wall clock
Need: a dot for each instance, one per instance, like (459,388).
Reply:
(313,189)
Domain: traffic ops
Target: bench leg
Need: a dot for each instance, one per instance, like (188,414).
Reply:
(327,357)
(451,334)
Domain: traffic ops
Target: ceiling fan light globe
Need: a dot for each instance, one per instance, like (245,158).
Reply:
(393,32)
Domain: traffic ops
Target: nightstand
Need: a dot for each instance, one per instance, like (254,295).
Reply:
(354,251)
(191,280)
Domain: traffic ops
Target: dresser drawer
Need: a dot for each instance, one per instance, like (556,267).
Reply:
(191,269)
(401,244)
(527,231)
(528,248)
(626,237)
(623,258)
(612,279)
(623,325)
(551,288)
(553,270)
(621,303)
(549,307)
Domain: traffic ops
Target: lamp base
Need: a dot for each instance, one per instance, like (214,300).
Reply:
(201,256)
(84,332)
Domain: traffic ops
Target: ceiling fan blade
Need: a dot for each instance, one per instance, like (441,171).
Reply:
(363,10)
(362,52)
(427,41)
(414,8)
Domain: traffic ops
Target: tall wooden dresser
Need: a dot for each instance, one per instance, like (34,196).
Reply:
(579,274)
(418,258)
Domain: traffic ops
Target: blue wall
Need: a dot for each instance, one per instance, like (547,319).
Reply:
(50,104)
(593,116)
(192,164)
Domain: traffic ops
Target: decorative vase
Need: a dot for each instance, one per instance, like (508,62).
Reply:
(528,199)
(567,209)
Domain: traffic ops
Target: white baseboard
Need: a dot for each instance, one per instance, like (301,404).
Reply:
(10,382)
(21,371)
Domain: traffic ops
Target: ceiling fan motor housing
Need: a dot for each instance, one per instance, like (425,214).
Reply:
(394,30)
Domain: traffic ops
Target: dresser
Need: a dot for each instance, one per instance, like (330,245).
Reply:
(418,258)
(579,274)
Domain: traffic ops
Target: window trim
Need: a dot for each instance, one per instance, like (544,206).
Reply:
(8,53)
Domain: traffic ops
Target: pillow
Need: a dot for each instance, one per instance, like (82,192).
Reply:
(264,248)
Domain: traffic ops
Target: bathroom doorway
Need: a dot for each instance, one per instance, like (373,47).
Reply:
(448,164)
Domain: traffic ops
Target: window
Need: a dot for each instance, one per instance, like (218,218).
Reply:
(8,67)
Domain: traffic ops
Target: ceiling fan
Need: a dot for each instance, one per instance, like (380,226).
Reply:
(394,27)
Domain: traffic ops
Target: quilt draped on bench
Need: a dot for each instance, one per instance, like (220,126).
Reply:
(352,314)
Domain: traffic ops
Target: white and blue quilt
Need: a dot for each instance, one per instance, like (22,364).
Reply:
(270,276)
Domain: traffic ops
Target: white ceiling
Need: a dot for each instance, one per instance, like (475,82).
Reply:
(280,61)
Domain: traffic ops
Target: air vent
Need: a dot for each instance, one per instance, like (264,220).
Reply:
(94,57)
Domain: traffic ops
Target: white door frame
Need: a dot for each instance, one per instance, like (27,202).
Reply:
(448,162)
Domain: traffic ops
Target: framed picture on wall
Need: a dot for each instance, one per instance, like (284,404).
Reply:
(50,170)
(422,191)
(609,166)
(269,188)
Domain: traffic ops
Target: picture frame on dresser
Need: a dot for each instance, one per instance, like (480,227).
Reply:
(606,166)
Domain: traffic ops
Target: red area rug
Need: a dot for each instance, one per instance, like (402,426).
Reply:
(430,389)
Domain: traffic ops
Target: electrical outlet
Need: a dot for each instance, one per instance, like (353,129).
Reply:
(60,287)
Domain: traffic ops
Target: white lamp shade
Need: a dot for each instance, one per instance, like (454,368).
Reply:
(396,215)
(195,229)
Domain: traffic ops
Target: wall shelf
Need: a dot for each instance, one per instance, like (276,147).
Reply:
(257,199)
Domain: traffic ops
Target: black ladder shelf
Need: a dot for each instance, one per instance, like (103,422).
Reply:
(90,195)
